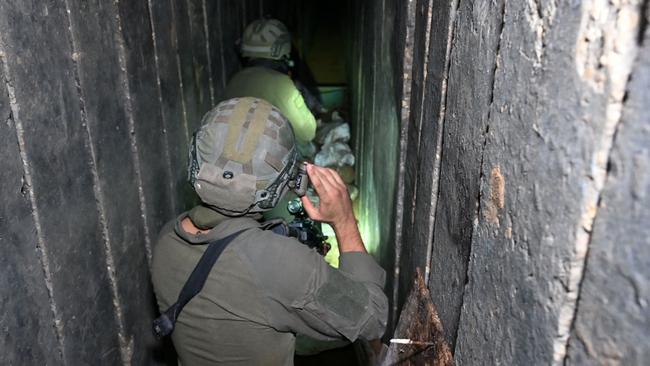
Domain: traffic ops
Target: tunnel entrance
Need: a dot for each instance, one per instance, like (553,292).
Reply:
(340,58)
(341,55)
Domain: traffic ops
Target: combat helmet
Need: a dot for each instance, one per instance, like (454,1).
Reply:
(266,38)
(243,157)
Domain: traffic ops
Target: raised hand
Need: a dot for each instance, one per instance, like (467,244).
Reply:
(335,207)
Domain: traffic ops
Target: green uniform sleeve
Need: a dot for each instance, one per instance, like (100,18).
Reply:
(310,298)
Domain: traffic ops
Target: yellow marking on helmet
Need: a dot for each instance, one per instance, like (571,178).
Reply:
(236,121)
(253,133)
(261,184)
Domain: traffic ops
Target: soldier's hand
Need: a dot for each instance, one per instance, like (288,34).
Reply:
(335,206)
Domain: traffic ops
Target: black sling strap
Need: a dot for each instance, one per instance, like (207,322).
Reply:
(164,324)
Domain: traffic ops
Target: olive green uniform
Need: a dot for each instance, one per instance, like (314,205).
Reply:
(279,90)
(263,290)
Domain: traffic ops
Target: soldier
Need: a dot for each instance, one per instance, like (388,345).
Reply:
(266,46)
(265,288)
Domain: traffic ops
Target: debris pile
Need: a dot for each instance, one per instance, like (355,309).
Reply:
(331,148)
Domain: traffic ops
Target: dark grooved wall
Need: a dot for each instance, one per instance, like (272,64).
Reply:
(99,99)
(525,188)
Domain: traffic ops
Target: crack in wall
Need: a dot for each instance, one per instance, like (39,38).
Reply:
(28,186)
(420,107)
(578,289)
(126,347)
(124,81)
(606,51)
(163,118)
(425,73)
(206,30)
(218,22)
(642,27)
(482,184)
(195,69)
(407,71)
(179,71)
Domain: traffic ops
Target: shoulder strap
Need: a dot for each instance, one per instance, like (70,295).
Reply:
(164,324)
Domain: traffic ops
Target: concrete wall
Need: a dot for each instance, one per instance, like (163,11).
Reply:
(98,101)
(525,188)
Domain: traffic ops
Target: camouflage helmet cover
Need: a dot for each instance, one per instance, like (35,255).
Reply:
(242,157)
(266,38)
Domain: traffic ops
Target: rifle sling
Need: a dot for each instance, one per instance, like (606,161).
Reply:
(164,325)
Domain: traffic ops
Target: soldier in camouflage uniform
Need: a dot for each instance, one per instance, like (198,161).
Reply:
(265,288)
(266,45)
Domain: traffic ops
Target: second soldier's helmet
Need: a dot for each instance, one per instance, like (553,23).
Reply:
(266,38)
(243,157)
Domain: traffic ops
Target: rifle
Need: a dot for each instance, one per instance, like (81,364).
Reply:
(306,230)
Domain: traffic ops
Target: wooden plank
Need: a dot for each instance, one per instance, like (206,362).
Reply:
(185,50)
(144,108)
(433,24)
(94,28)
(39,59)
(468,99)
(27,321)
(171,94)
(201,66)
(218,47)
(232,27)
